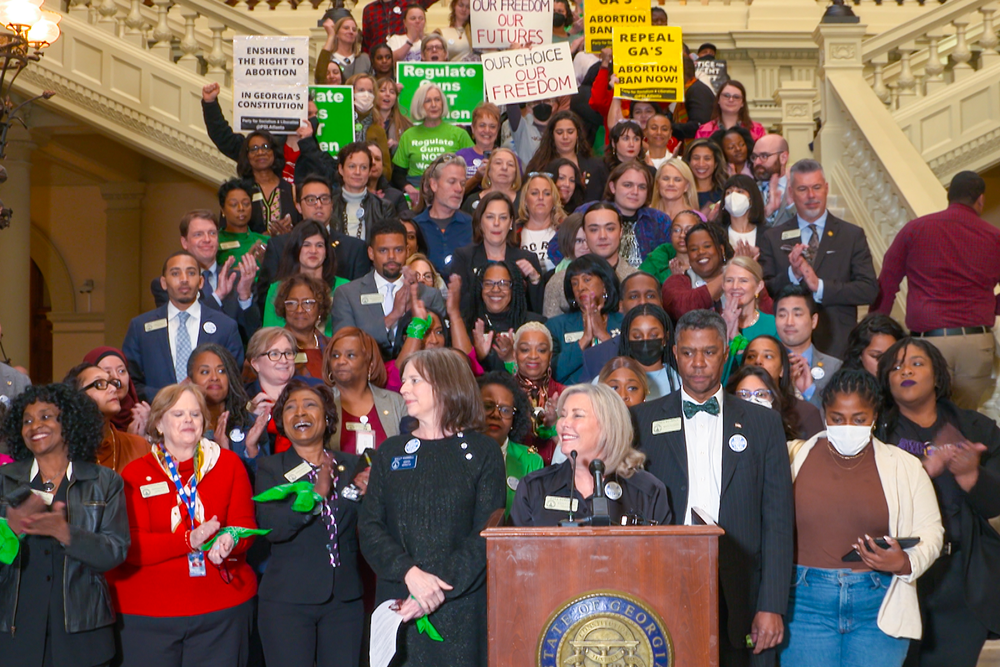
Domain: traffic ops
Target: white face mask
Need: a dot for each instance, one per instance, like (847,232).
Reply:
(760,401)
(849,440)
(363,100)
(737,204)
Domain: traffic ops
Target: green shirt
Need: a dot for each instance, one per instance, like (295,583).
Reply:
(419,146)
(271,318)
(657,263)
(520,461)
(243,242)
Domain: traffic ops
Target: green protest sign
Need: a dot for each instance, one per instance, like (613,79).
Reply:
(461,84)
(335,113)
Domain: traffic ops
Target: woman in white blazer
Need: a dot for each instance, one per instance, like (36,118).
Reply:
(851,489)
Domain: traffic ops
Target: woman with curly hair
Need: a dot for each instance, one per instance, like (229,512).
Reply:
(869,340)
(498,308)
(261,161)
(700,287)
(508,421)
(304,302)
(70,515)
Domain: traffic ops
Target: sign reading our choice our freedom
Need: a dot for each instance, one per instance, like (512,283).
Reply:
(603,17)
(270,83)
(460,83)
(334,116)
(496,24)
(531,74)
(649,64)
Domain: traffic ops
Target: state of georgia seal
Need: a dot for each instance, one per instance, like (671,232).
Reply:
(605,628)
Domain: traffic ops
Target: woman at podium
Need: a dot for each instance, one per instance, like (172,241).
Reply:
(594,423)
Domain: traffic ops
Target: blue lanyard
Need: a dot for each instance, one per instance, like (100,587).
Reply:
(190,497)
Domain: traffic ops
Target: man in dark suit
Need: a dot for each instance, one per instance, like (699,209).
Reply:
(728,459)
(315,203)
(227,288)
(159,343)
(796,316)
(824,253)
(377,301)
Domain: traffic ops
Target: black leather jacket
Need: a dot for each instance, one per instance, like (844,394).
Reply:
(98,524)
(376,211)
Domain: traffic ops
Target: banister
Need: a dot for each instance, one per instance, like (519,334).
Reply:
(243,23)
(918,27)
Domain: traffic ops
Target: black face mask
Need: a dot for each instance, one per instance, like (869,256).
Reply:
(558,20)
(646,352)
(542,112)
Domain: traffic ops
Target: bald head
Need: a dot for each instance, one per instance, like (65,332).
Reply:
(770,156)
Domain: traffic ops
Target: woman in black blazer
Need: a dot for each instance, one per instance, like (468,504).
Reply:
(310,609)
(960,450)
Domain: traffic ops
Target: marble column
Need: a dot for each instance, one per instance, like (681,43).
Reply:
(15,248)
(122,278)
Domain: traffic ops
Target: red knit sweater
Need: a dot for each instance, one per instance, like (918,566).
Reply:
(153,580)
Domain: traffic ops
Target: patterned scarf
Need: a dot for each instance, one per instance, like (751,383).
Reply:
(537,390)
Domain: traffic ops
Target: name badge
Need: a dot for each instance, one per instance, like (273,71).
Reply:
(560,504)
(155,324)
(298,472)
(150,490)
(364,441)
(404,462)
(368,299)
(257,196)
(196,565)
(791,234)
(229,245)
(572,337)
(357,426)
(301,358)
(667,426)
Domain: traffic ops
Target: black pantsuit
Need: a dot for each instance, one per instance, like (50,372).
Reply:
(325,635)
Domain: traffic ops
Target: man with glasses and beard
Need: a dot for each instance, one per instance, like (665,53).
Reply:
(770,164)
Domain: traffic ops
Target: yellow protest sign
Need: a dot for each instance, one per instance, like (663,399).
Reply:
(603,16)
(649,63)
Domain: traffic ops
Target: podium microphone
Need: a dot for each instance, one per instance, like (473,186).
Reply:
(572,495)
(601,515)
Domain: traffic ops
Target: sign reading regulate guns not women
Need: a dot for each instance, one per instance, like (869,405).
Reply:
(270,83)
(529,74)
(649,64)
(460,83)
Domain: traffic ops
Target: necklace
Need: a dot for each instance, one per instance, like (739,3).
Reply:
(756,316)
(837,455)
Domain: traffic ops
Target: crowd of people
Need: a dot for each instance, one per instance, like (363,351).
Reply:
(360,358)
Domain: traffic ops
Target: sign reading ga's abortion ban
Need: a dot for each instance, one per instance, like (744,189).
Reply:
(496,24)
(460,83)
(525,75)
(649,64)
(270,80)
(604,16)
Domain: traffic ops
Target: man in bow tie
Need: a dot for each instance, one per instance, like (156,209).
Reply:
(725,460)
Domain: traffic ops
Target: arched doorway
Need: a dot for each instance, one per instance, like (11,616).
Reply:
(40,363)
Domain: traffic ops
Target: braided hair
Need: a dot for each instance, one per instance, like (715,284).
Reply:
(853,381)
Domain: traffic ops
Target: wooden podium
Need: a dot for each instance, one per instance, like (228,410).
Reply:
(617,575)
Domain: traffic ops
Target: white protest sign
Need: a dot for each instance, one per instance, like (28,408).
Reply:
(496,24)
(526,75)
(270,83)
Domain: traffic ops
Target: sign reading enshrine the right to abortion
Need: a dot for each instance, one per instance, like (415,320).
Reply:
(649,63)
(496,24)
(270,83)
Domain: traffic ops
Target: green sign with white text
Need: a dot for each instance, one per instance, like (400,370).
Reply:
(460,83)
(335,113)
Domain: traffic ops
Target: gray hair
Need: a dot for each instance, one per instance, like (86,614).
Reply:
(417,113)
(805,166)
(697,320)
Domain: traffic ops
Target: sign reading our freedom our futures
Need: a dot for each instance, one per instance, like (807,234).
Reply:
(649,64)
(603,17)
(270,80)
(496,24)
(524,75)
(460,83)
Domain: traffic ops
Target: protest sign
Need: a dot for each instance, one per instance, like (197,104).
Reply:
(604,16)
(270,80)
(335,116)
(649,64)
(529,74)
(460,83)
(496,24)
(713,73)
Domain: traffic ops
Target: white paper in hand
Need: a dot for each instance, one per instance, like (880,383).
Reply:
(385,625)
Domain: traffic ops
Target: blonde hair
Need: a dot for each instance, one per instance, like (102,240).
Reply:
(690,196)
(516,185)
(264,338)
(336,40)
(421,257)
(615,441)
(417,112)
(748,264)
(166,398)
(557,215)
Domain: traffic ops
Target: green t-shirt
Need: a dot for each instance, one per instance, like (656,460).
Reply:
(236,245)
(420,145)
(271,318)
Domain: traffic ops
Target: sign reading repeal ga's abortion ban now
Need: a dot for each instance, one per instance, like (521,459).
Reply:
(525,75)
(496,24)
(649,64)
(604,16)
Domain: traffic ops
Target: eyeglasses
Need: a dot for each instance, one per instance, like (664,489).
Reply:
(426,278)
(747,394)
(731,97)
(258,148)
(102,384)
(502,285)
(278,355)
(761,157)
(506,411)
(312,200)
(308,305)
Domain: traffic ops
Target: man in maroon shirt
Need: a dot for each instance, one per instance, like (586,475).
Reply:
(382,18)
(951,261)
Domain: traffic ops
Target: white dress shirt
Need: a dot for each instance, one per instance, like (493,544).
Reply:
(173,322)
(382,285)
(703,437)
(213,283)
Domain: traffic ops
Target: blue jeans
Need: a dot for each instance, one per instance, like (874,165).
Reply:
(832,621)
